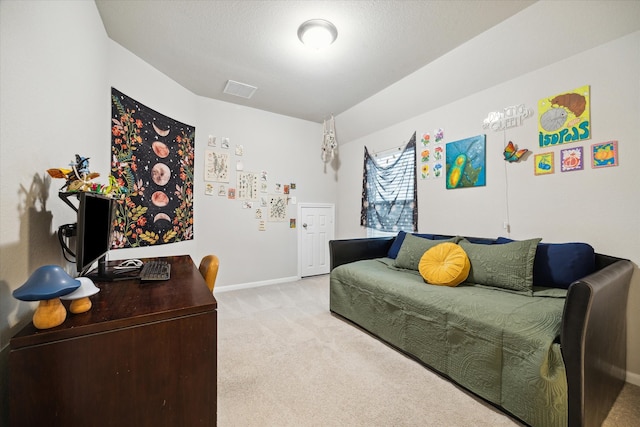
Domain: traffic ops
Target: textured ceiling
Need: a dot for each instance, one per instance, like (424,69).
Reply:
(202,44)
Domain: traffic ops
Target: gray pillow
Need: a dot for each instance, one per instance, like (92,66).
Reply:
(414,247)
(507,266)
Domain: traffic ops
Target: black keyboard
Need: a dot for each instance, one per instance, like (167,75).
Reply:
(155,270)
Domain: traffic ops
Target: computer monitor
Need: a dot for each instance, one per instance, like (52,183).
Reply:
(94,233)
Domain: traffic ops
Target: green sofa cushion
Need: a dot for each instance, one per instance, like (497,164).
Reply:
(413,248)
(508,266)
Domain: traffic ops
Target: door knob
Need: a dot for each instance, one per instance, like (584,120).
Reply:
(304,225)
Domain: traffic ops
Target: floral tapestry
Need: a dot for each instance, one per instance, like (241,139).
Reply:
(152,159)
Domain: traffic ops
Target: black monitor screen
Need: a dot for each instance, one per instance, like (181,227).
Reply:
(95,218)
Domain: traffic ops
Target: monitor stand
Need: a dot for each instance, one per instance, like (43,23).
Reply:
(106,274)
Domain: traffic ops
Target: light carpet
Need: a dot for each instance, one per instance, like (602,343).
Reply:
(284,360)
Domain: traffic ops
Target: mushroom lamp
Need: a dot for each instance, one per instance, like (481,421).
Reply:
(47,284)
(79,298)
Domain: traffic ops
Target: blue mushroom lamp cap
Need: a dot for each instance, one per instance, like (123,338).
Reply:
(47,282)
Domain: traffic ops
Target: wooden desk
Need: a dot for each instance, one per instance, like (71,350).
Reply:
(144,355)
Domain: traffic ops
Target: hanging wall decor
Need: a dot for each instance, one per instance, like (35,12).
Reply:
(438,134)
(247,186)
(564,118)
(216,166)
(424,170)
(604,154)
(389,190)
(431,158)
(277,208)
(466,162)
(437,154)
(543,163)
(512,154)
(329,142)
(437,161)
(425,156)
(571,159)
(152,157)
(509,117)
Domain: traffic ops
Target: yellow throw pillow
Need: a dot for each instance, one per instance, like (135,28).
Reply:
(446,264)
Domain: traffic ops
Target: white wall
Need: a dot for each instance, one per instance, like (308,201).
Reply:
(53,74)
(598,206)
(288,150)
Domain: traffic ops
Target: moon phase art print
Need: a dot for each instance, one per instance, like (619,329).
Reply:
(152,159)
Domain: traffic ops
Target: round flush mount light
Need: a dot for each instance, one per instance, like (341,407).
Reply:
(317,33)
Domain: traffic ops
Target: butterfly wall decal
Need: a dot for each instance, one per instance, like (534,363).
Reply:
(511,154)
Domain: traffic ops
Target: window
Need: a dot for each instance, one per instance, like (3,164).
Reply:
(389,196)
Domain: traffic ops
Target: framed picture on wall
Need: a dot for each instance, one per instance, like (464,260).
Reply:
(604,154)
(571,159)
(543,163)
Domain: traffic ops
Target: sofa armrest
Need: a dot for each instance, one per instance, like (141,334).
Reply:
(594,340)
(349,250)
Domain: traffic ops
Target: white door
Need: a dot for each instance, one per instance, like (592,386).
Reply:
(316,228)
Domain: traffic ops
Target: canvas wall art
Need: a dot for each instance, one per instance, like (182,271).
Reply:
(466,162)
(152,158)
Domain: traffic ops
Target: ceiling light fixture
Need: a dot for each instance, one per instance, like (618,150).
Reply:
(317,33)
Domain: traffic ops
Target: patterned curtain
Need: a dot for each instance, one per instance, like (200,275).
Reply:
(389,192)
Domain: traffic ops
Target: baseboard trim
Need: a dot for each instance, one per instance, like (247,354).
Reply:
(255,284)
(633,378)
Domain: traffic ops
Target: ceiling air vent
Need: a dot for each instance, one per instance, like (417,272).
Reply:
(242,90)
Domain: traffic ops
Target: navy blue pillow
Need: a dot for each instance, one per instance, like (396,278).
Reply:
(501,240)
(395,246)
(558,265)
(397,243)
(481,240)
(430,236)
